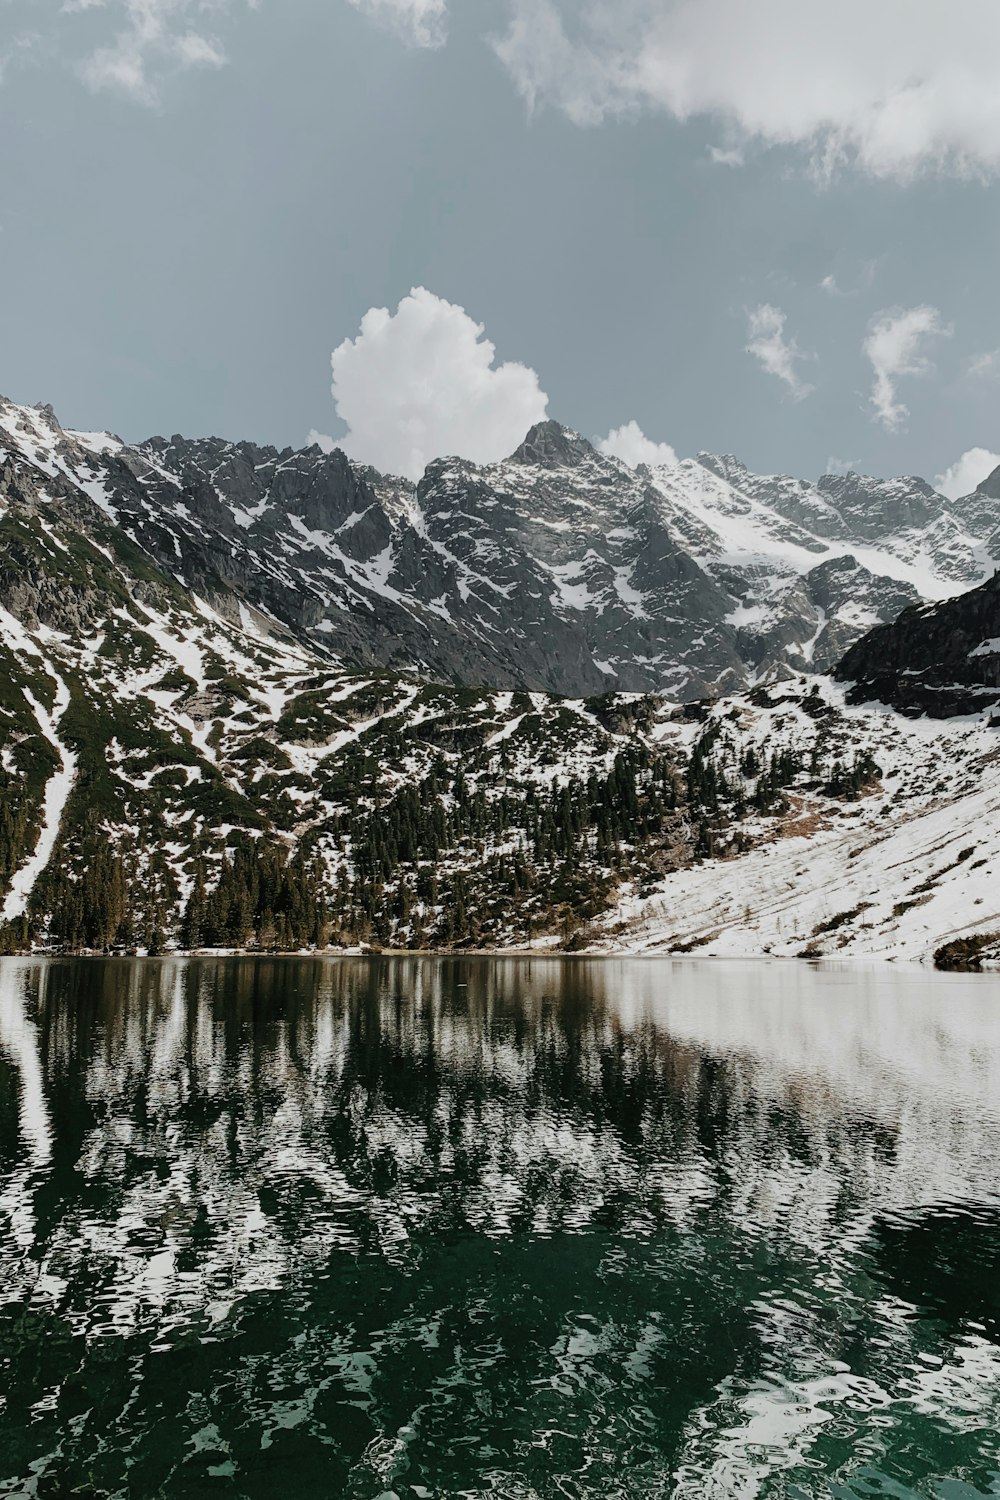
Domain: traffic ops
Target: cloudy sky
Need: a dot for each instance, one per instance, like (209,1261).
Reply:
(767,227)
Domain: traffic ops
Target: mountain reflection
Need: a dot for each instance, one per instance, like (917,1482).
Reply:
(182,1139)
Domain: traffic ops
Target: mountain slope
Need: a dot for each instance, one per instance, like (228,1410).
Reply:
(186,760)
(153,754)
(937,659)
(896,868)
(559,569)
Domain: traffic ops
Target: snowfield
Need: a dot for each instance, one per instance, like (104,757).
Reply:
(59,785)
(895,875)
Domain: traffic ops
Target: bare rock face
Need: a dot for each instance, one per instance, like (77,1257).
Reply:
(559,569)
(939,659)
(980,511)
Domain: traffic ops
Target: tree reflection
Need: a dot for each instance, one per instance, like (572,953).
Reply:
(532,1215)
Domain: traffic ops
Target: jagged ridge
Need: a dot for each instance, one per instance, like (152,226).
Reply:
(559,569)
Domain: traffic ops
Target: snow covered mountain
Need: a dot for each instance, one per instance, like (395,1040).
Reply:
(559,569)
(219,722)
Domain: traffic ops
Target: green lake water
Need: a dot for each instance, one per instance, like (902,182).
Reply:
(426,1228)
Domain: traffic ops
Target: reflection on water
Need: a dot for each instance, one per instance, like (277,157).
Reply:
(497,1228)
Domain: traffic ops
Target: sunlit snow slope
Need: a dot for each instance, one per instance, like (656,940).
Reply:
(911,864)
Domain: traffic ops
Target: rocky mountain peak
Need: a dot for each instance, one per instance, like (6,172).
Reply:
(853,486)
(990,487)
(725,465)
(879,507)
(46,412)
(550,445)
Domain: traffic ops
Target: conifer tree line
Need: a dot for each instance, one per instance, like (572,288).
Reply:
(453,859)
(22,780)
(15,828)
(441,863)
(725,785)
(104,898)
(261,896)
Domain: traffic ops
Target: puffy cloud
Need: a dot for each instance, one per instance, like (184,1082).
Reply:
(895,348)
(967,473)
(633,447)
(841,465)
(897,86)
(322,440)
(419,23)
(155,40)
(776,354)
(421,383)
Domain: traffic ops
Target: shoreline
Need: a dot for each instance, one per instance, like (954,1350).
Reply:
(867,961)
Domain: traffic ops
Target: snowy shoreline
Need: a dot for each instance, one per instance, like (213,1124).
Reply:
(608,954)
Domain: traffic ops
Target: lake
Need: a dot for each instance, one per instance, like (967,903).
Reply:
(523,1228)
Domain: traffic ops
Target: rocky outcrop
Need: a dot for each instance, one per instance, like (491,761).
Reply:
(941,659)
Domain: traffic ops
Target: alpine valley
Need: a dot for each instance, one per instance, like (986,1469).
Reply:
(252,698)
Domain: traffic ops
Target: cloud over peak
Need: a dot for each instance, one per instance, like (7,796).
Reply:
(421,383)
(633,447)
(967,473)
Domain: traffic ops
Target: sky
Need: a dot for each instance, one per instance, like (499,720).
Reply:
(414,227)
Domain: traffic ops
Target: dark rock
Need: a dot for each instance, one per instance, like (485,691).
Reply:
(936,659)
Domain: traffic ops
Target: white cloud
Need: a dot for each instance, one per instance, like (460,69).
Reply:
(419,23)
(841,465)
(633,447)
(421,383)
(730,156)
(986,366)
(894,347)
(896,86)
(155,40)
(776,354)
(17,50)
(967,473)
(320,440)
(866,275)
